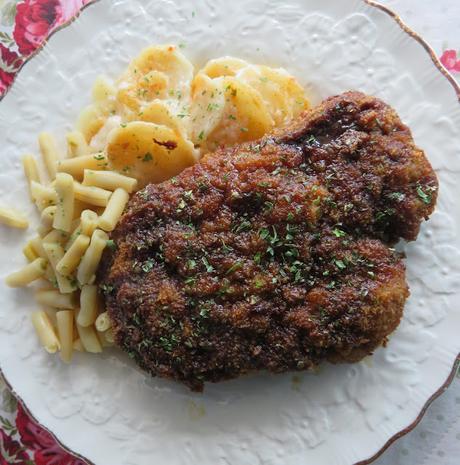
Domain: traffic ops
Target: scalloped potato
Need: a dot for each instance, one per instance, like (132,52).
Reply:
(159,72)
(158,97)
(149,152)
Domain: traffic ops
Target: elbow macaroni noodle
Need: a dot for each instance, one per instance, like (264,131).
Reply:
(155,120)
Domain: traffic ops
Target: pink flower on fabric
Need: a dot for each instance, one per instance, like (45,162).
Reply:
(9,64)
(450,60)
(45,449)
(36,19)
(11,451)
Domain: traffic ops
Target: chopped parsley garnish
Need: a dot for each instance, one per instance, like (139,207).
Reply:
(188,195)
(204,312)
(106,288)
(111,244)
(191,264)
(258,257)
(168,343)
(398,196)
(425,196)
(338,232)
(181,205)
(225,247)
(208,266)
(148,265)
(147,157)
(340,264)
(264,233)
(268,206)
(234,267)
(201,135)
(259,283)
(213,106)
(245,225)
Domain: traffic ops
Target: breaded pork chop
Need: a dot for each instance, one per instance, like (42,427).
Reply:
(273,255)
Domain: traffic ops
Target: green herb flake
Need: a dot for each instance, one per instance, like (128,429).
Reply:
(181,205)
(258,257)
(425,196)
(208,266)
(340,264)
(191,264)
(338,232)
(259,283)
(111,244)
(189,195)
(268,206)
(225,247)
(317,201)
(398,196)
(147,157)
(148,265)
(234,267)
(204,312)
(212,106)
(264,233)
(245,225)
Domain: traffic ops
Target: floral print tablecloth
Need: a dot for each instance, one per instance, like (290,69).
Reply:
(24,28)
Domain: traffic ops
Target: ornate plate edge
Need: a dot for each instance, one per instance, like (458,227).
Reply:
(45,42)
(32,416)
(456,364)
(421,41)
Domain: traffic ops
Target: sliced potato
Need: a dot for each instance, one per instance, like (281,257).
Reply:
(159,72)
(224,66)
(134,92)
(246,116)
(282,94)
(104,91)
(149,152)
(207,107)
(99,140)
(90,121)
(159,112)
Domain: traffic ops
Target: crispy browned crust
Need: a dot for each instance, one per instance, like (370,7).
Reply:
(275,254)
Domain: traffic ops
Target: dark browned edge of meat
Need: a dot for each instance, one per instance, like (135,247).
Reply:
(272,255)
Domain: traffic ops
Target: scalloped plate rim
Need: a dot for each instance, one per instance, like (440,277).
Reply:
(456,363)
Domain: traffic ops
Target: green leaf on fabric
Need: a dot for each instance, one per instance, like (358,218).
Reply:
(8,13)
(8,402)
(6,39)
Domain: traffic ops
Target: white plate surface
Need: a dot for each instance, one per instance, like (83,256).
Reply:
(107,410)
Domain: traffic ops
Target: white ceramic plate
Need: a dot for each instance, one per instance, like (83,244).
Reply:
(103,407)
